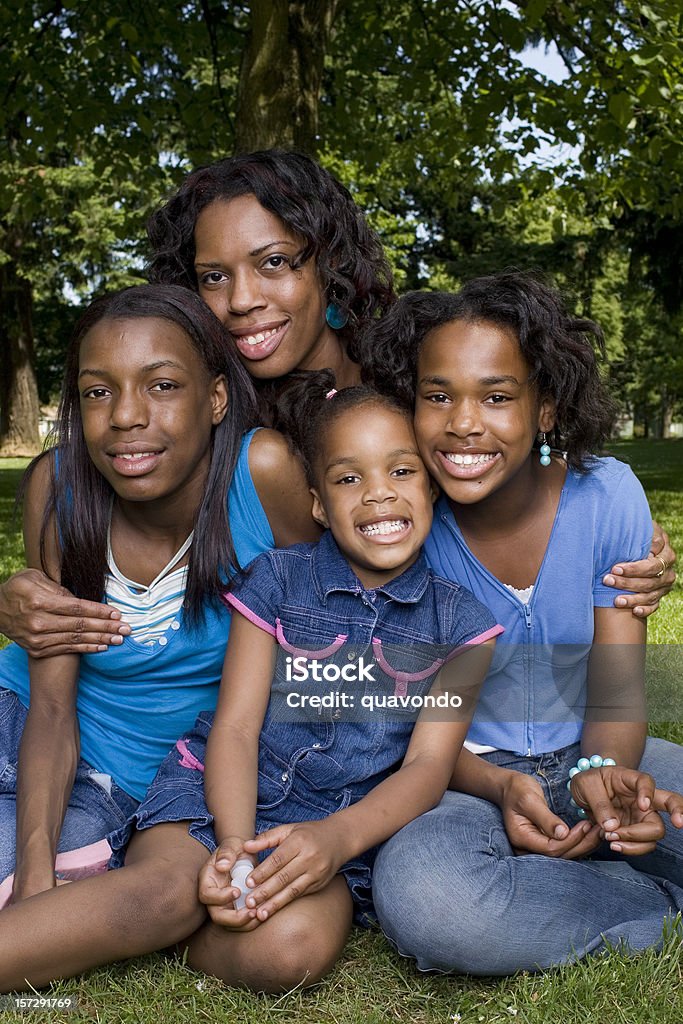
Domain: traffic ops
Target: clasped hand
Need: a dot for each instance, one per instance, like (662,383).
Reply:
(624,805)
(306,856)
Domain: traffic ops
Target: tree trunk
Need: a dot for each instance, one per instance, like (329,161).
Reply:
(19,406)
(281,74)
(666,411)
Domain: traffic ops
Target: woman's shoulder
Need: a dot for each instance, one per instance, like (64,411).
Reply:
(280,483)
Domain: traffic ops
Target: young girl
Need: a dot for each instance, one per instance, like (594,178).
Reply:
(321,788)
(153,497)
(284,257)
(509,408)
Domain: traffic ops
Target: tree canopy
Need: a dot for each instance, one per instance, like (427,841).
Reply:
(428,110)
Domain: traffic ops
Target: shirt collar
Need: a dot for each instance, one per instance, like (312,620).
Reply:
(331,572)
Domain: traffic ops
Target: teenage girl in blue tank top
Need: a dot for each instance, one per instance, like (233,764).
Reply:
(157,491)
(509,409)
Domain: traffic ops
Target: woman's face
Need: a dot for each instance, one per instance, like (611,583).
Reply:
(274,312)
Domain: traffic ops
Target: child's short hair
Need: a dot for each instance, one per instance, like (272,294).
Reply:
(560,349)
(311,406)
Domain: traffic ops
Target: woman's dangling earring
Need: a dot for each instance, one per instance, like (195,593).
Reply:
(544,450)
(336,317)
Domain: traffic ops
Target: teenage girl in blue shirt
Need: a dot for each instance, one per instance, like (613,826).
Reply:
(157,482)
(509,409)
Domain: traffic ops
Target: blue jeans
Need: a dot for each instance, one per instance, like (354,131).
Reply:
(96,806)
(450,892)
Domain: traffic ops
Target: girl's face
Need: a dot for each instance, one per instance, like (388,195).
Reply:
(276,314)
(373,492)
(476,413)
(148,407)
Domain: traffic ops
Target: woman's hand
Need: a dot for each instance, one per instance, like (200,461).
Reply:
(217,892)
(45,619)
(651,578)
(533,828)
(305,858)
(627,806)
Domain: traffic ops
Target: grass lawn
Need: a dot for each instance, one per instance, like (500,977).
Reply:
(371,983)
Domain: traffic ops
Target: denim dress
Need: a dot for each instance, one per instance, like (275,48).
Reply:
(352,668)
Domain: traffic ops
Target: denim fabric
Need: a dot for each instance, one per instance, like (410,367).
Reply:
(177,794)
(92,812)
(313,764)
(450,892)
(310,600)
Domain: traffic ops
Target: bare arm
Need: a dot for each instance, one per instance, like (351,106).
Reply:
(48,753)
(281,484)
(42,616)
(231,771)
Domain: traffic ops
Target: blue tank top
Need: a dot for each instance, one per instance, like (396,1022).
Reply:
(135,700)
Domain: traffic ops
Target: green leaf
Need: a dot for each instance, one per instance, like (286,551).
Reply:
(620,106)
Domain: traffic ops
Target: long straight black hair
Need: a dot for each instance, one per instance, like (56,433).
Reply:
(80,498)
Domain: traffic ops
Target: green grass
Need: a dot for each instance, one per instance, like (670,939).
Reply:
(371,984)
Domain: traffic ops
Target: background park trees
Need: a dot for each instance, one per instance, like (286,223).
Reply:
(427,109)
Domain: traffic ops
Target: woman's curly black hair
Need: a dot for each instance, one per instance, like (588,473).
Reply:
(560,349)
(311,406)
(348,255)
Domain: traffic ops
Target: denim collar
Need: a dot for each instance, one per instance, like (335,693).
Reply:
(331,572)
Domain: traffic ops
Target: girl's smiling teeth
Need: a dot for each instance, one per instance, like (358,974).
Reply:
(384,527)
(477,459)
(467,465)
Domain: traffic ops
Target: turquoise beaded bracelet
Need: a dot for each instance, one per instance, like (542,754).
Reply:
(582,765)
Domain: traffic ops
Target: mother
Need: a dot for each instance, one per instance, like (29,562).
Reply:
(283,256)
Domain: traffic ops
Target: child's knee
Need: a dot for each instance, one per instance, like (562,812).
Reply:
(160,892)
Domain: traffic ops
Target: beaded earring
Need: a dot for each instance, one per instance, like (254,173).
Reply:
(544,450)
(336,317)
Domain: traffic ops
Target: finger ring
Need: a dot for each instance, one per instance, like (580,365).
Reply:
(665,566)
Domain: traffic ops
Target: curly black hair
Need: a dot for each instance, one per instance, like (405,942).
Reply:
(559,347)
(312,405)
(310,201)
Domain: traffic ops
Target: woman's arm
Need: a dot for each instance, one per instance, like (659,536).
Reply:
(48,753)
(46,619)
(306,856)
(39,614)
(281,485)
(650,578)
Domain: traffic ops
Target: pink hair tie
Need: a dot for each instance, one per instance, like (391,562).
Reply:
(332,393)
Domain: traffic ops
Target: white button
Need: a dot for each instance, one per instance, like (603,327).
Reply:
(316,746)
(351,656)
(175,625)
(163,641)
(284,776)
